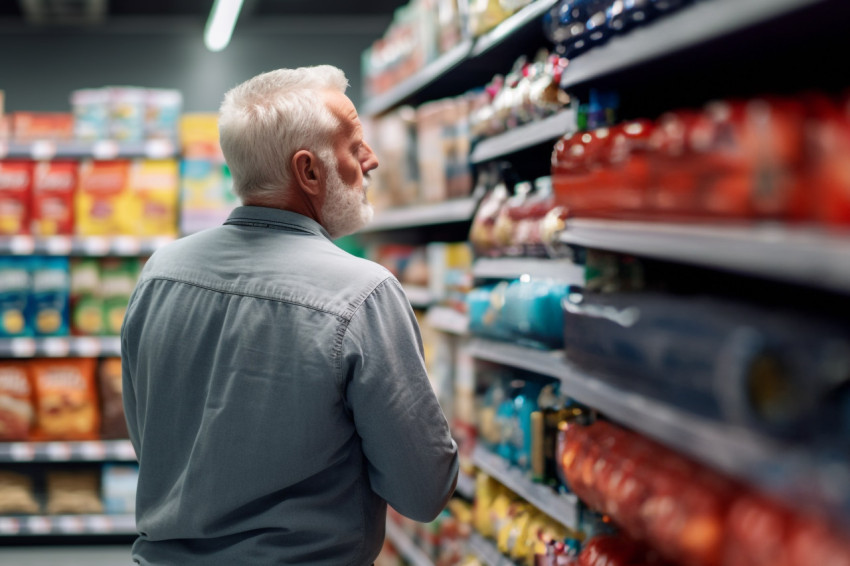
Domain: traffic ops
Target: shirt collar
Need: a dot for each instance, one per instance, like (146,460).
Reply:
(275,217)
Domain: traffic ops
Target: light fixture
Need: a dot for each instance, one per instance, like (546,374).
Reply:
(220,24)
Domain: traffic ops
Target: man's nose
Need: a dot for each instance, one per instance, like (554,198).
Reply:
(371,161)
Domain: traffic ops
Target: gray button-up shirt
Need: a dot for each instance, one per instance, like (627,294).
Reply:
(277,399)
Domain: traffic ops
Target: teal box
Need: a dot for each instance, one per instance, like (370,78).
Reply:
(15,278)
(49,303)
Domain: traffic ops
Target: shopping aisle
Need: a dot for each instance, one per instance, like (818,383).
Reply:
(100,555)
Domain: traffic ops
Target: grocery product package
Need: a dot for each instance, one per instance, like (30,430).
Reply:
(66,399)
(86,301)
(14,296)
(42,126)
(102,198)
(113,423)
(73,492)
(117,278)
(17,495)
(16,403)
(49,308)
(127,113)
(90,108)
(53,186)
(118,486)
(15,189)
(154,186)
(206,198)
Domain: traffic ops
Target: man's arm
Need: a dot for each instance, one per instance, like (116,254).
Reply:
(413,461)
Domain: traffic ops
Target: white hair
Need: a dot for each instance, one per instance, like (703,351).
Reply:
(264,121)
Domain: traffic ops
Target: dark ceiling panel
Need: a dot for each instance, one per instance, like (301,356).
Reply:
(326,7)
(159,7)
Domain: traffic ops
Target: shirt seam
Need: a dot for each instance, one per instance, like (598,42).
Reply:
(241,294)
(343,329)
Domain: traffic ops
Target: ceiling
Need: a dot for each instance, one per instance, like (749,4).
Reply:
(87,13)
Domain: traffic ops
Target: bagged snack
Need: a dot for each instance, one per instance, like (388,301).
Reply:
(66,399)
(102,198)
(113,424)
(14,296)
(49,298)
(16,494)
(154,186)
(15,187)
(86,303)
(53,186)
(16,410)
(117,277)
(75,491)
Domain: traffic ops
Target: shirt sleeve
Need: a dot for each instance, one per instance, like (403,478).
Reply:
(411,455)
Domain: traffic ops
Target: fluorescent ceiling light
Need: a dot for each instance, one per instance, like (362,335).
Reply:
(220,24)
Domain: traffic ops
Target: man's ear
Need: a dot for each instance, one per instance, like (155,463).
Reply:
(307,171)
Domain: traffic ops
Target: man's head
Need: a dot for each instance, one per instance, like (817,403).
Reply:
(293,140)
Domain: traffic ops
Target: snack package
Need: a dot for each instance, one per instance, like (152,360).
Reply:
(16,409)
(118,486)
(86,303)
(102,199)
(53,186)
(90,108)
(118,278)
(73,492)
(162,113)
(49,306)
(113,424)
(16,494)
(199,136)
(66,399)
(15,188)
(206,198)
(127,113)
(39,126)
(154,186)
(14,296)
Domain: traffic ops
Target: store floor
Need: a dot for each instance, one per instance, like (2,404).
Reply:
(66,556)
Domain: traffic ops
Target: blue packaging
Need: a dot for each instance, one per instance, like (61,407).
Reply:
(14,296)
(49,304)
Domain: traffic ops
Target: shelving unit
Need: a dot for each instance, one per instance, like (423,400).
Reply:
(487,552)
(536,268)
(465,485)
(71,451)
(91,246)
(67,525)
(752,457)
(406,547)
(525,136)
(795,254)
(419,297)
(563,507)
(460,210)
(676,33)
(101,149)
(447,320)
(61,346)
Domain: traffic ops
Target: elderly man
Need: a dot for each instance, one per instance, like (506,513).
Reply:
(274,385)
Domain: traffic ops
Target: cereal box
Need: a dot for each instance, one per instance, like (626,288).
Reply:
(91,113)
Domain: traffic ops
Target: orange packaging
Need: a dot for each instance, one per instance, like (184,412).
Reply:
(102,198)
(66,399)
(16,409)
(37,126)
(15,188)
(829,147)
(53,188)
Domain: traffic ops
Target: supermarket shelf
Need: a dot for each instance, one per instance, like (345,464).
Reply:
(529,15)
(465,485)
(676,32)
(564,508)
(797,255)
(40,525)
(419,297)
(458,210)
(61,347)
(731,449)
(525,136)
(513,268)
(487,552)
(102,149)
(94,246)
(447,320)
(433,71)
(406,547)
(463,61)
(79,451)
